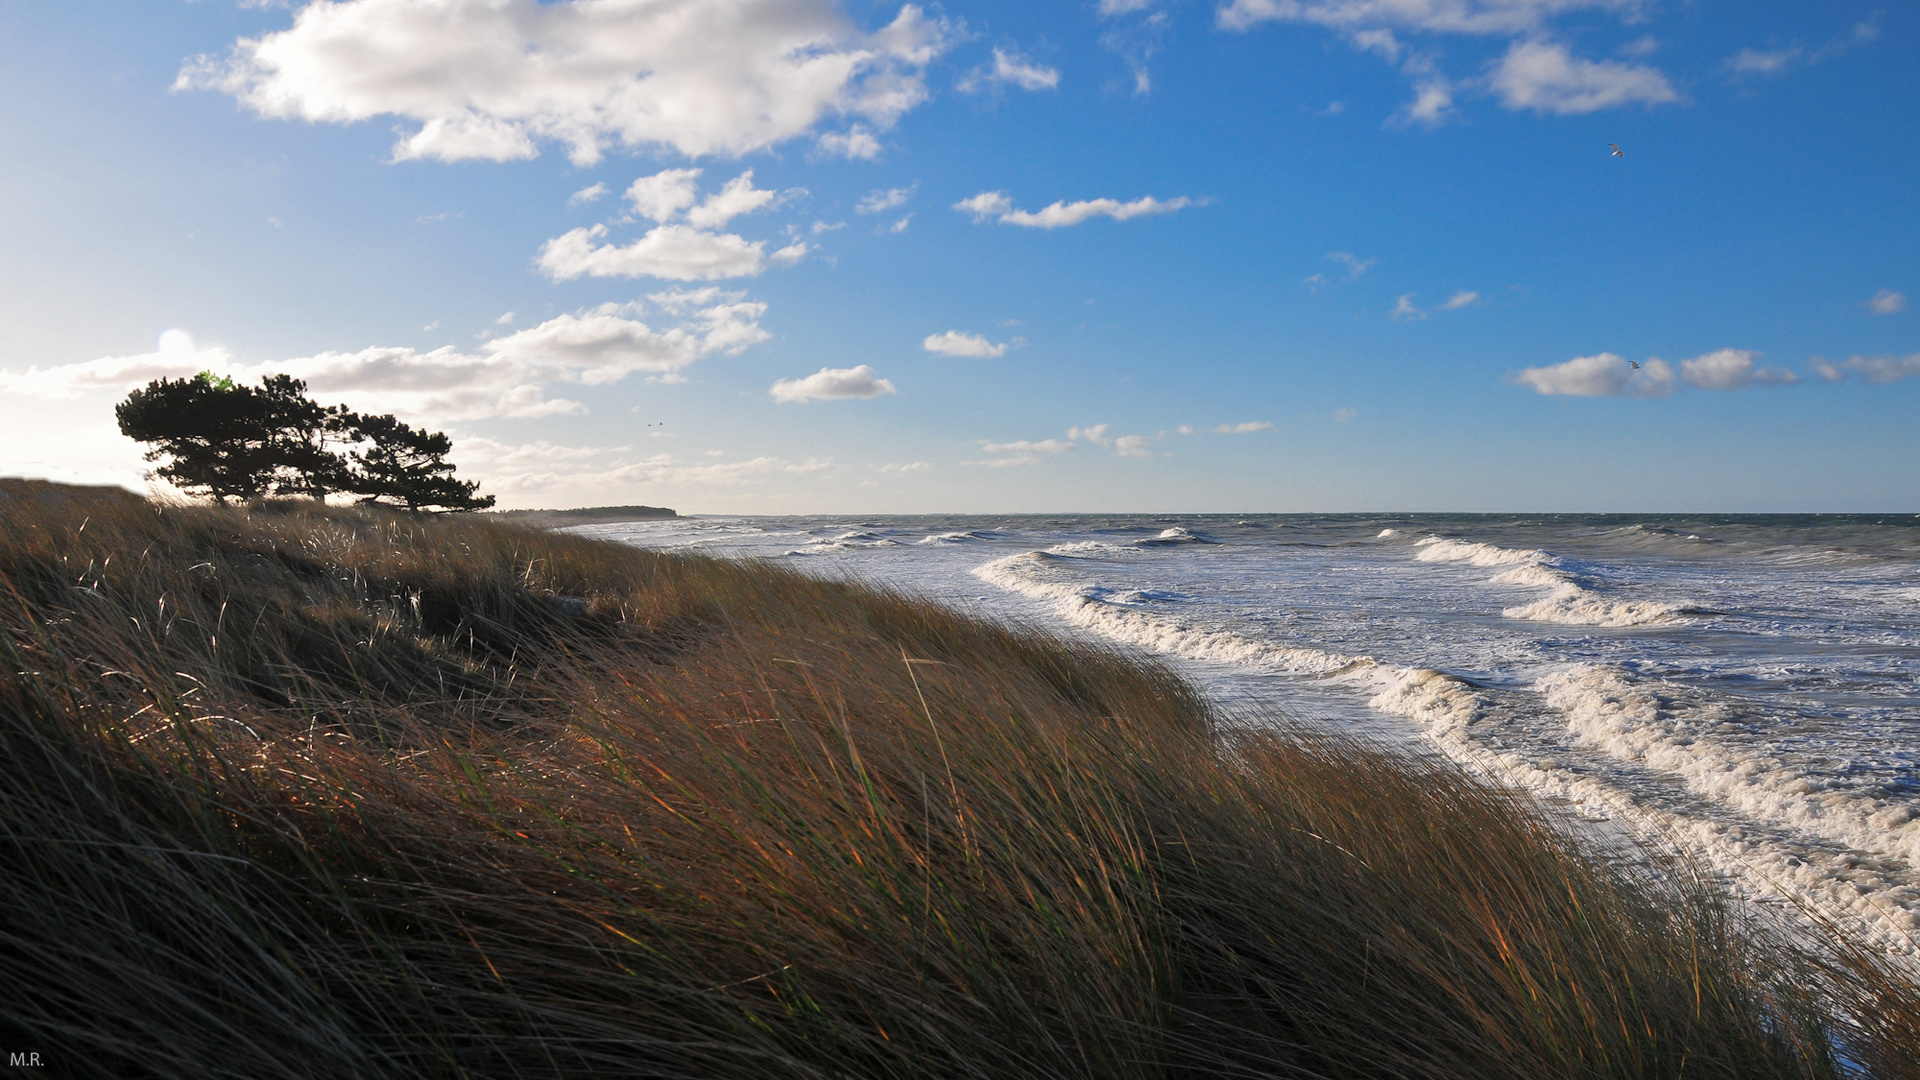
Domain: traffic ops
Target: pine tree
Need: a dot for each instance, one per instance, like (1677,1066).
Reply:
(408,467)
(237,442)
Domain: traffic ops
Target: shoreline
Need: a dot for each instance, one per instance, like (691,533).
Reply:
(704,817)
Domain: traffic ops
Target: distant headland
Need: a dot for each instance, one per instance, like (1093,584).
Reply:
(585,515)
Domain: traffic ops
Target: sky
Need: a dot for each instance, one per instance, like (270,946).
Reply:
(849,256)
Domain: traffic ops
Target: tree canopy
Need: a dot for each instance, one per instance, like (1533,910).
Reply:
(231,441)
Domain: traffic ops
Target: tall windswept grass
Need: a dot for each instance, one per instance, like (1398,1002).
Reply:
(302,792)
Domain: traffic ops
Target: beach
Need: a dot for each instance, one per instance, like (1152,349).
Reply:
(1744,687)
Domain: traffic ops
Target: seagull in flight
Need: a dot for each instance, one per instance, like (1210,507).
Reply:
(1617,152)
(1634,364)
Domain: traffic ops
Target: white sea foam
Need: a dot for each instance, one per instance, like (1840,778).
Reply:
(1572,598)
(1175,535)
(1429,696)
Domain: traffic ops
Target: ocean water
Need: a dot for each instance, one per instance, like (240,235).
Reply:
(1746,688)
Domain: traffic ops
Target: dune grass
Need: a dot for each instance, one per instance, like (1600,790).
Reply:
(297,792)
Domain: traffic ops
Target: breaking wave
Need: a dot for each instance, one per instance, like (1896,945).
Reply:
(1573,598)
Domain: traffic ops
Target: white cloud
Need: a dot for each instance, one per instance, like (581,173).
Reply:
(1021,452)
(955,343)
(832,384)
(1244,429)
(997,205)
(900,226)
(1028,446)
(1886,302)
(1873,369)
(1355,265)
(854,144)
(673,252)
(1431,106)
(1731,369)
(663,195)
(492,79)
(908,467)
(1136,445)
(1010,69)
(1344,414)
(1432,16)
(587,195)
(1404,309)
(504,319)
(1601,375)
(739,196)
(507,376)
(1545,77)
(175,357)
(1536,72)
(1123,7)
(879,201)
(1755,62)
(1096,434)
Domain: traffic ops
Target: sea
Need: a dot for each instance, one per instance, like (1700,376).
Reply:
(1742,690)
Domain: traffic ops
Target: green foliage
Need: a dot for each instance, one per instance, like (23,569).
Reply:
(232,441)
(408,467)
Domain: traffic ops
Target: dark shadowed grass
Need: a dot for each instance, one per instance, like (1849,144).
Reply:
(303,792)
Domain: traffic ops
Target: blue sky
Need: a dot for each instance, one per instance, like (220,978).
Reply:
(1122,255)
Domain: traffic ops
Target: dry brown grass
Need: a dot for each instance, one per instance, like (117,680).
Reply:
(299,792)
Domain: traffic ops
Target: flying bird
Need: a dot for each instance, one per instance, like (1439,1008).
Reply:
(1617,152)
(1635,364)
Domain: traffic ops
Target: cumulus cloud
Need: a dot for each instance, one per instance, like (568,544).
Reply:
(1886,302)
(673,252)
(587,195)
(1246,428)
(832,384)
(1732,369)
(855,144)
(684,245)
(493,79)
(506,376)
(1096,434)
(998,206)
(1010,69)
(1601,375)
(1545,77)
(955,343)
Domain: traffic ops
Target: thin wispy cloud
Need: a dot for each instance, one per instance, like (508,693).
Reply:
(1886,302)
(998,206)
(1009,69)
(1246,428)
(1537,72)
(511,376)
(882,200)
